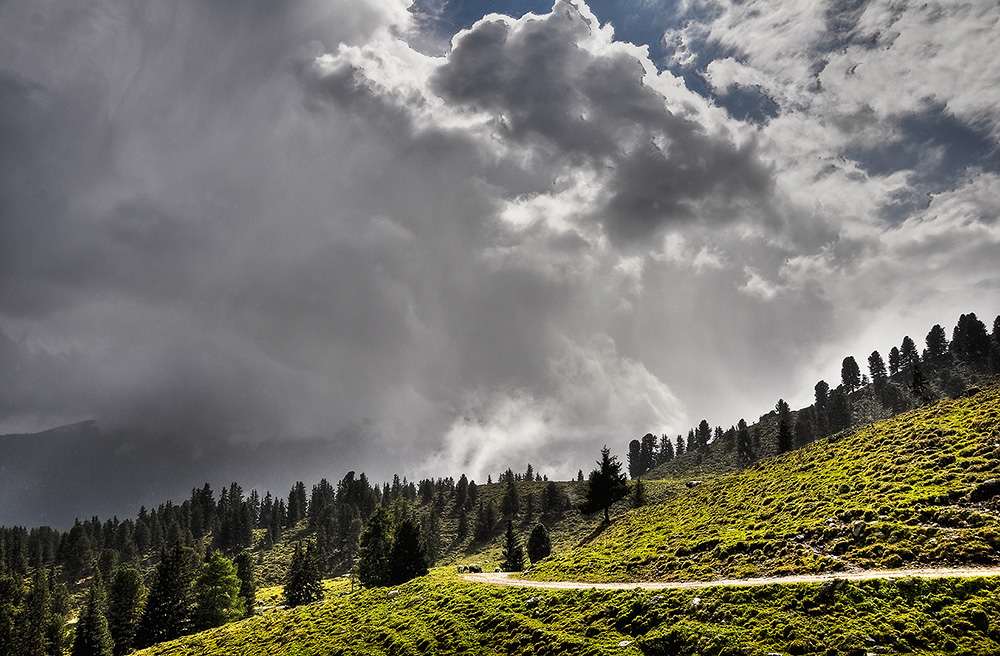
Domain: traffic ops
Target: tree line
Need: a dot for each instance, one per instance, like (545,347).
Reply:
(191,565)
(906,378)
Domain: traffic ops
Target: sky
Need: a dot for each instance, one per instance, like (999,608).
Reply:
(451,236)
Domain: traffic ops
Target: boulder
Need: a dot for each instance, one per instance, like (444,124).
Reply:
(985,490)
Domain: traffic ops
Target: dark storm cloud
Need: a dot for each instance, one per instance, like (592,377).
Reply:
(233,231)
(594,109)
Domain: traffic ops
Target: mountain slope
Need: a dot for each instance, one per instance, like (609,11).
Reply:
(915,489)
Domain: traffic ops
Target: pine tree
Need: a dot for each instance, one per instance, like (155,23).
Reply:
(11,607)
(303,584)
(937,346)
(217,593)
(704,434)
(743,444)
(876,367)
(374,548)
(647,453)
(92,635)
(297,503)
(510,503)
(908,355)
(634,458)
(665,452)
(38,611)
(850,374)
(461,491)
(840,410)
(638,493)
(805,427)
(125,599)
(539,544)
(894,358)
(918,385)
(970,342)
(167,614)
(407,559)
(607,484)
(784,427)
(552,499)
(513,552)
(486,519)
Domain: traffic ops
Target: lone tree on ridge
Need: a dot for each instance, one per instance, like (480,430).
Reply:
(605,486)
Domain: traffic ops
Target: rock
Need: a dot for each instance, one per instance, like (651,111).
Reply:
(857,528)
(392,594)
(696,602)
(655,601)
(693,483)
(531,602)
(624,643)
(985,490)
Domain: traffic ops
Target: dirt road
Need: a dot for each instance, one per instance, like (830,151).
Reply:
(859,575)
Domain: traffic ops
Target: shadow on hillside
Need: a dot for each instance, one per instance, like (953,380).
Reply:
(593,535)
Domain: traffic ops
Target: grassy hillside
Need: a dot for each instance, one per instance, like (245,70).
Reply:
(916,489)
(905,491)
(441,615)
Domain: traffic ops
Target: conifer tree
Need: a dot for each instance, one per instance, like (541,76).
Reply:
(908,355)
(296,503)
(248,581)
(634,458)
(894,361)
(486,519)
(461,491)
(606,485)
(374,548)
(665,452)
(647,453)
(937,346)
(970,342)
(303,584)
(38,610)
(510,503)
(638,493)
(539,543)
(552,499)
(167,613)
(407,559)
(876,367)
(217,593)
(93,638)
(840,410)
(805,427)
(11,607)
(850,374)
(125,599)
(784,426)
(513,552)
(743,444)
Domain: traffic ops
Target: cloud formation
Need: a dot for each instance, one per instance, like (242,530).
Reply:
(301,224)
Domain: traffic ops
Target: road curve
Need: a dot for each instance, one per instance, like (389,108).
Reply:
(505,579)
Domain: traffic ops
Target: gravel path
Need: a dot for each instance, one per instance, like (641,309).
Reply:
(503,578)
